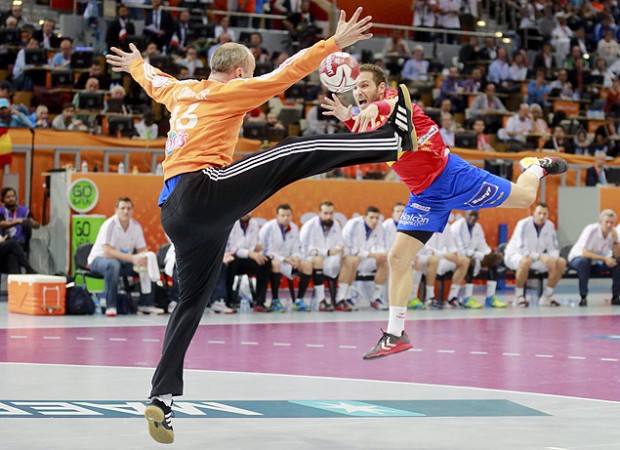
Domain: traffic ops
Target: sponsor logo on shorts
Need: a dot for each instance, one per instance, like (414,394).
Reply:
(421,207)
(484,195)
(498,199)
(416,220)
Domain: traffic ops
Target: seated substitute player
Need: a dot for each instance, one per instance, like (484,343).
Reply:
(534,245)
(279,239)
(438,181)
(322,245)
(366,251)
(471,242)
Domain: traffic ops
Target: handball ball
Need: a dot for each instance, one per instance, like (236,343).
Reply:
(338,72)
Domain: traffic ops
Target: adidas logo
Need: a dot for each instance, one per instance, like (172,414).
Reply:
(401,118)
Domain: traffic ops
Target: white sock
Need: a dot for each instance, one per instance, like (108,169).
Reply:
(319,293)
(430,291)
(342,291)
(469,290)
(536,170)
(165,398)
(396,324)
(491,287)
(417,276)
(267,302)
(548,292)
(378,294)
(347,294)
(454,291)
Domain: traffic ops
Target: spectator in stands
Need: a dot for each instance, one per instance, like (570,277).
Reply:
(120,28)
(571,60)
(601,28)
(120,250)
(534,246)
(597,251)
(539,124)
(159,25)
(547,22)
(321,244)
(489,51)
(7,91)
(518,69)
(471,242)
(473,83)
(40,118)
(21,80)
(608,135)
(612,103)
(366,252)
(12,256)
(147,128)
(256,40)
(396,47)
(191,61)
(62,59)
(16,13)
(452,88)
(18,220)
(223,39)
(273,121)
(558,142)
(561,36)
(248,259)
(487,105)
(538,89)
(316,122)
(482,140)
(545,59)
(424,15)
(447,129)
(11,117)
(580,78)
(182,34)
(469,54)
(45,35)
(582,143)
(563,85)
(499,70)
(580,40)
(597,174)
(259,56)
(600,73)
(449,11)
(67,120)
(94,71)
(150,51)
(224,28)
(302,27)
(279,239)
(416,68)
(117,103)
(445,107)
(518,127)
(608,48)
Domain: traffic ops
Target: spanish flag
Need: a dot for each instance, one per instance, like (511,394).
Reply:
(6,147)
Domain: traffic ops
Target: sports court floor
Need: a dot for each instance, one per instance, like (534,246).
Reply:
(488,379)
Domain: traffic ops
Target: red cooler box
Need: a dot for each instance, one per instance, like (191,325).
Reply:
(39,295)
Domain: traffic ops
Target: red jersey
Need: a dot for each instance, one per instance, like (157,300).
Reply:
(420,168)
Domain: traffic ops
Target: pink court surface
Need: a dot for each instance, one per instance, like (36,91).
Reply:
(536,378)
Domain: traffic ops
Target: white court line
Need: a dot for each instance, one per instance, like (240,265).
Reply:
(415,350)
(216,342)
(282,344)
(610,359)
(348,346)
(118,339)
(511,354)
(150,340)
(18,337)
(576,357)
(249,343)
(544,356)
(478,353)
(314,345)
(446,351)
(52,338)
(84,338)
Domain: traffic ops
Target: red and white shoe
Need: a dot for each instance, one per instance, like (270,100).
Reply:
(388,345)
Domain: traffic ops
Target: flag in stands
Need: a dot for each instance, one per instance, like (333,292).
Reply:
(6,147)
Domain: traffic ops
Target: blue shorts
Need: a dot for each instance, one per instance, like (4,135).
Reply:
(460,186)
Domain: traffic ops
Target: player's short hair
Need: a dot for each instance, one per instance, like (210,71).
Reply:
(123,200)
(604,213)
(378,74)
(372,209)
(6,190)
(398,204)
(284,206)
(230,55)
(325,203)
(542,205)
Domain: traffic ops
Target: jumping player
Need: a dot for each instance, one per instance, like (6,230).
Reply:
(204,194)
(438,182)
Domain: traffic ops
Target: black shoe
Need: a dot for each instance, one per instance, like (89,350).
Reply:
(326,307)
(159,416)
(615,301)
(583,302)
(551,165)
(402,118)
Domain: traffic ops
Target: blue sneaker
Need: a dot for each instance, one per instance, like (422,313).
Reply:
(277,306)
(435,304)
(494,302)
(300,305)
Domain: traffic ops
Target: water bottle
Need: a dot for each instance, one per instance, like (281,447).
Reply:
(159,170)
(121,167)
(358,174)
(97,304)
(314,304)
(84,166)
(572,302)
(245,305)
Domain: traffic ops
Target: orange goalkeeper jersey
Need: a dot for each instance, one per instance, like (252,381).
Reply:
(206,116)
